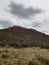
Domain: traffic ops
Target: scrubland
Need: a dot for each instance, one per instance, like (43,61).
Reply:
(24,56)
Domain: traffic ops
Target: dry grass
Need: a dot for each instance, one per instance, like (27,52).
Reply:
(24,56)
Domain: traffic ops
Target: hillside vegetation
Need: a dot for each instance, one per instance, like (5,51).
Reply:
(21,46)
(19,37)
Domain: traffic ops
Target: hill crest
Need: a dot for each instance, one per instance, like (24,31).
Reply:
(19,29)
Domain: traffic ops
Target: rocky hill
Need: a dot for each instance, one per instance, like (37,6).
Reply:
(21,37)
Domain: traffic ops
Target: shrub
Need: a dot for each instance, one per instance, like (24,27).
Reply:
(33,63)
(5,56)
(44,60)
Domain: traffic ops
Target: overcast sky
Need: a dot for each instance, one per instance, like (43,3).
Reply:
(26,13)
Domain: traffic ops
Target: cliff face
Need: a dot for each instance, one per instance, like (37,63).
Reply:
(24,30)
(21,37)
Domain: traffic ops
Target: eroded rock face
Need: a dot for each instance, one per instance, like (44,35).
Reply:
(25,30)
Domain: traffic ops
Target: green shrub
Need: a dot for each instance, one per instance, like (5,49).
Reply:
(5,56)
(33,63)
(44,60)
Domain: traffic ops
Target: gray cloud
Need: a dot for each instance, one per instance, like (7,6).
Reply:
(5,24)
(36,24)
(20,11)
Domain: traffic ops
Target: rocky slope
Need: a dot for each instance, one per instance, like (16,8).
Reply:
(21,37)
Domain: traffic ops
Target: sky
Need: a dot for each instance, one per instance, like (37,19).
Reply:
(26,13)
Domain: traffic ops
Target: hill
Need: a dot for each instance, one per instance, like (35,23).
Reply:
(21,37)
